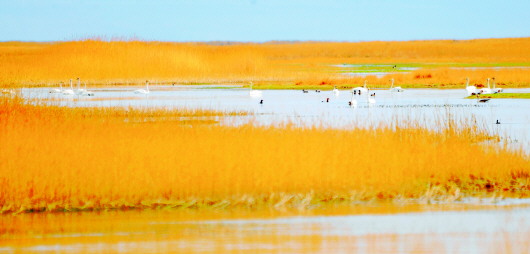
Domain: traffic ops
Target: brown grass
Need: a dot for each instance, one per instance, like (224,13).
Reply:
(63,159)
(304,63)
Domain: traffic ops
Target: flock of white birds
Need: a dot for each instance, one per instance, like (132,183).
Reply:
(84,92)
(360,90)
(71,91)
(473,90)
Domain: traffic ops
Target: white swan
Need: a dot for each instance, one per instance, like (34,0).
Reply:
(486,90)
(79,91)
(254,93)
(395,89)
(471,90)
(496,90)
(336,91)
(69,91)
(143,91)
(361,89)
(85,92)
(57,90)
(371,100)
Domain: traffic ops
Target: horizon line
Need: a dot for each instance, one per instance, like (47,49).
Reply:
(231,42)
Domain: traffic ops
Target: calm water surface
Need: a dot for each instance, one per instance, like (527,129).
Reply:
(455,228)
(500,227)
(429,107)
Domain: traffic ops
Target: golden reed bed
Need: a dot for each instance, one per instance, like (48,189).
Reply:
(303,63)
(67,159)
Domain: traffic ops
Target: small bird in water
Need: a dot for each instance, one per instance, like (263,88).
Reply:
(497,122)
(304,91)
(261,102)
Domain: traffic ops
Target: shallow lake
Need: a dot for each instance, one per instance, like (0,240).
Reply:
(429,107)
(471,226)
(502,227)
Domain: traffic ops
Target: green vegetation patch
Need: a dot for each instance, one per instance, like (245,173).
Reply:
(502,96)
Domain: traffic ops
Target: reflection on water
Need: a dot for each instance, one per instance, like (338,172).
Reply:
(424,106)
(370,228)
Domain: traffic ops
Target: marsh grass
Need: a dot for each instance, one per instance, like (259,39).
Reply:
(502,96)
(71,159)
(302,65)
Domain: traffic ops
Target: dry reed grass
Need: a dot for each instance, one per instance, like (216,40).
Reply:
(428,78)
(304,63)
(64,159)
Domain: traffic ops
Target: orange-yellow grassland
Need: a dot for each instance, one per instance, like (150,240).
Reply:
(270,65)
(65,159)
